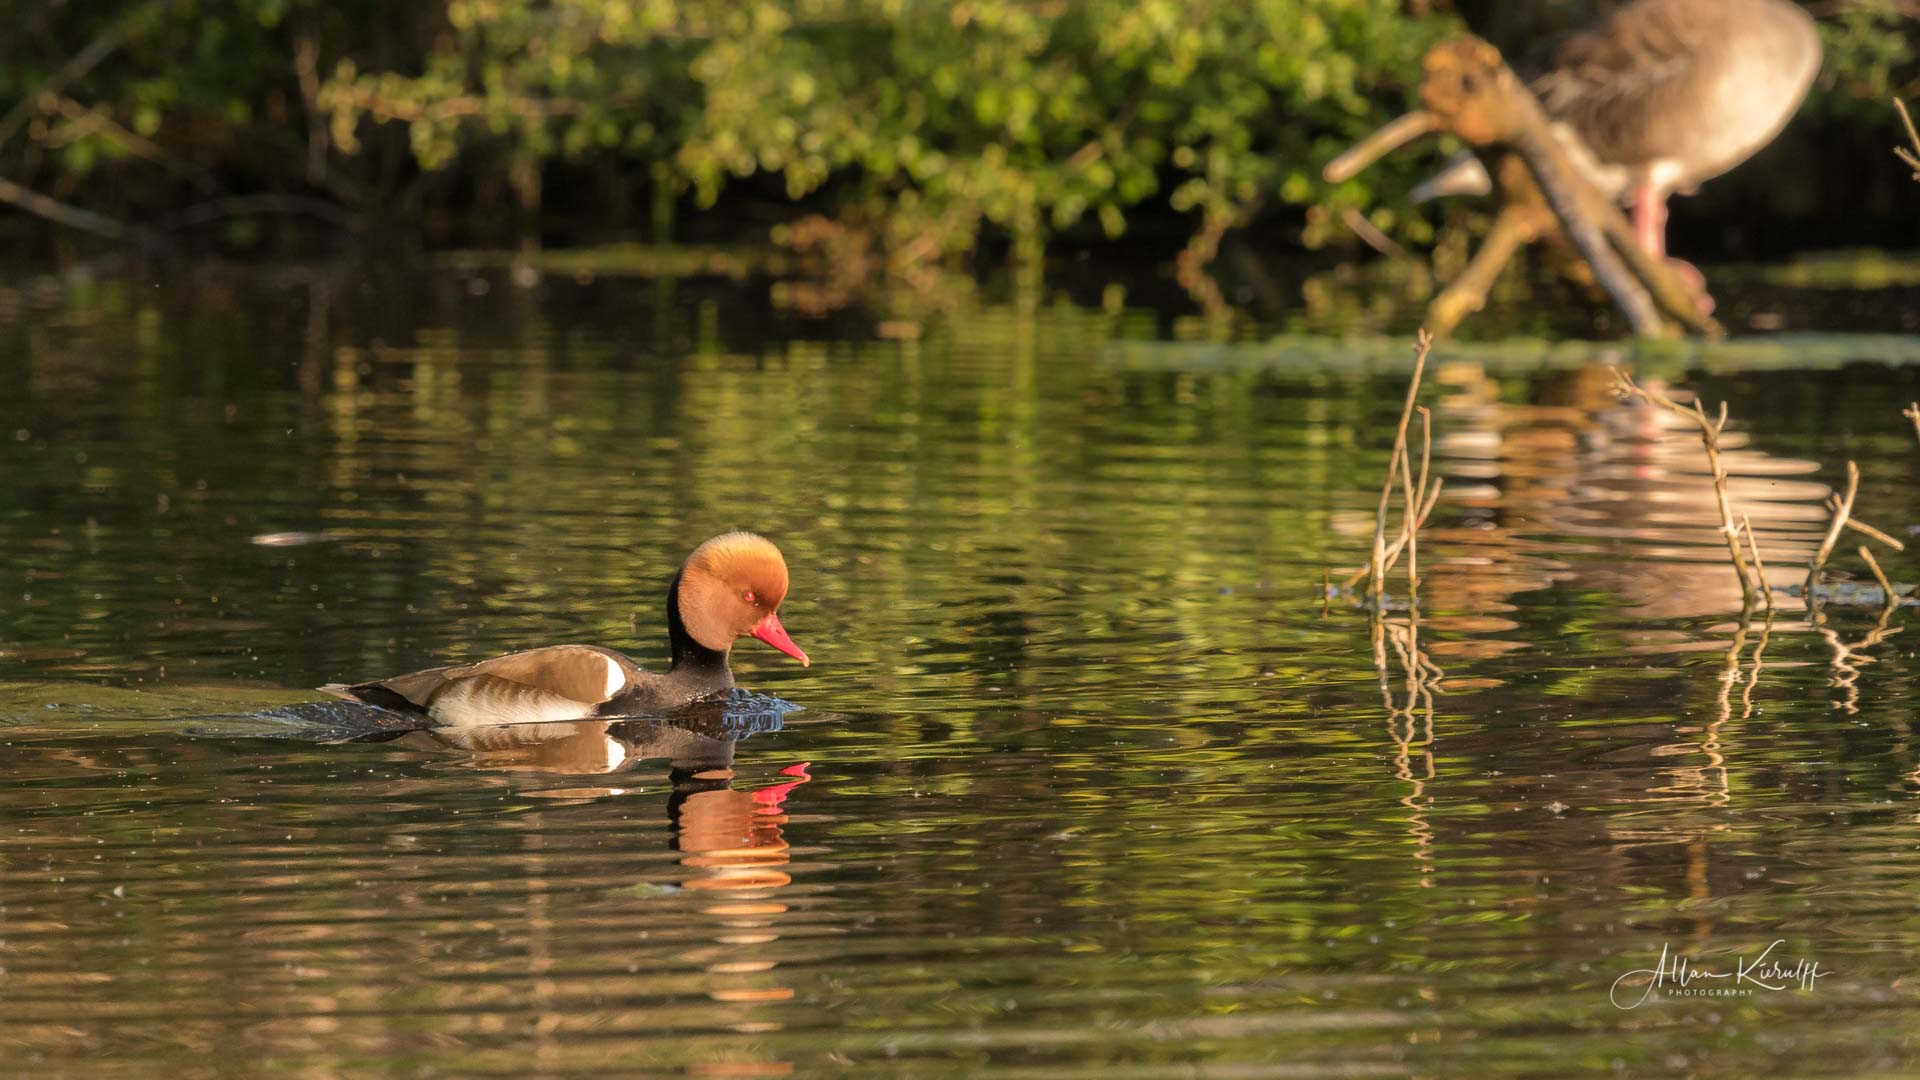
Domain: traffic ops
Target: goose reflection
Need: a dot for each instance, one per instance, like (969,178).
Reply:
(1576,489)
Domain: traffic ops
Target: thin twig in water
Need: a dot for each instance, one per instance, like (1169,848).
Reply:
(1715,770)
(1872,533)
(1406,514)
(1415,489)
(1759,568)
(1399,544)
(1841,512)
(1710,438)
(1753,680)
(1886,587)
(1423,344)
(1844,665)
(1421,683)
(1861,527)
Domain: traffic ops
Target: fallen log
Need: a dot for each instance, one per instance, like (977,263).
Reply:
(1470,92)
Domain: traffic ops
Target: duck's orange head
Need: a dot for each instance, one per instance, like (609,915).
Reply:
(731,587)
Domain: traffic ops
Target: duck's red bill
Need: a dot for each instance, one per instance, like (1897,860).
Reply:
(770,631)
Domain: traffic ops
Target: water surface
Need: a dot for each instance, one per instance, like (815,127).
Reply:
(1088,776)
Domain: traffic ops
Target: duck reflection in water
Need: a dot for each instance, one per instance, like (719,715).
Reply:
(734,834)
(722,910)
(731,841)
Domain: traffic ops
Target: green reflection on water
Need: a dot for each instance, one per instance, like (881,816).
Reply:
(1093,783)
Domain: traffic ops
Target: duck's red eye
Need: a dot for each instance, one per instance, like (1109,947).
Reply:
(747,596)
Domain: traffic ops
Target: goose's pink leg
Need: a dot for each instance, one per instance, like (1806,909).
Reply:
(1650,229)
(1650,221)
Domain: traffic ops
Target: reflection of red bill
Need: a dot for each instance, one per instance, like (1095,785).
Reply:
(770,798)
(769,630)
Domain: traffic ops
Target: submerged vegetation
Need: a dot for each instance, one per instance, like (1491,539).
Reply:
(900,134)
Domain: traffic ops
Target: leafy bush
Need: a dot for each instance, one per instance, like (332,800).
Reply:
(932,119)
(922,126)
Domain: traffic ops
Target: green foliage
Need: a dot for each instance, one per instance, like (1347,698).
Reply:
(1871,56)
(935,119)
(922,125)
(535,80)
(927,122)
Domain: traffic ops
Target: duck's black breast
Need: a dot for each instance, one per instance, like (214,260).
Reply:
(651,693)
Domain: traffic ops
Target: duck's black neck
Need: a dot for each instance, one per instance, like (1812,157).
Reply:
(691,658)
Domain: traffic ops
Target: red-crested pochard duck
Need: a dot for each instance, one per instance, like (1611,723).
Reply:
(730,587)
(1664,94)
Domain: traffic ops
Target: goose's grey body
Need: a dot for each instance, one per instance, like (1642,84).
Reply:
(1665,94)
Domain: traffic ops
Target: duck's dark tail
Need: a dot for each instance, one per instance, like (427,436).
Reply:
(373,694)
